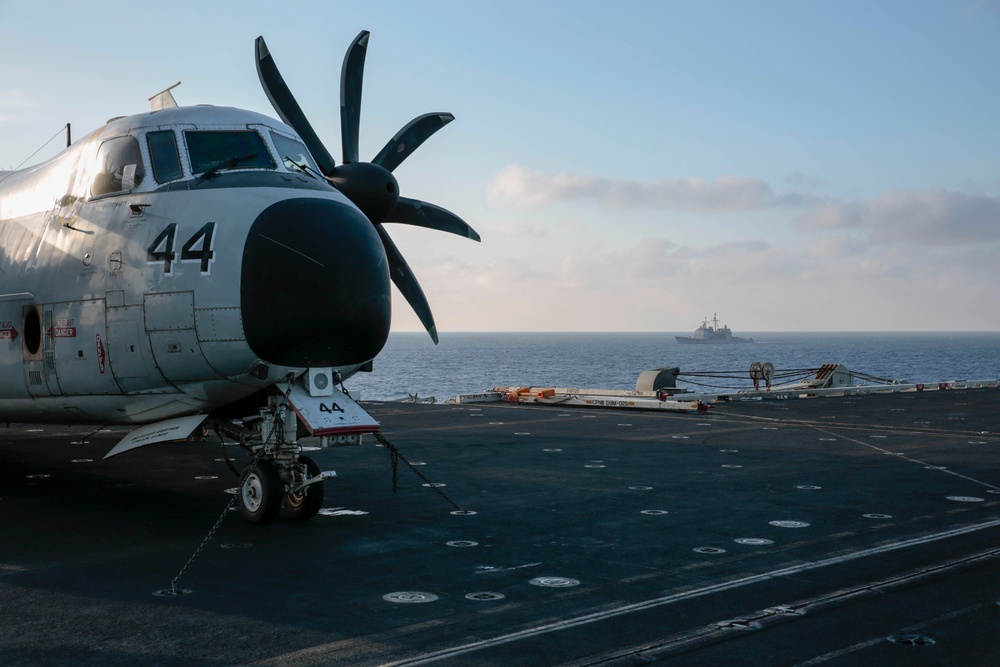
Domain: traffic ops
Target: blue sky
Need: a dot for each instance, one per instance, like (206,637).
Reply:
(631,166)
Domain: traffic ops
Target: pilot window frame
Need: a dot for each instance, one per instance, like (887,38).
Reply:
(202,159)
(123,151)
(282,153)
(155,156)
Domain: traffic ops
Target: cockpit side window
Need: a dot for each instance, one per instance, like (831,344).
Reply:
(227,149)
(294,154)
(119,166)
(164,156)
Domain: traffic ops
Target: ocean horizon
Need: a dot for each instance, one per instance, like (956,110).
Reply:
(469,362)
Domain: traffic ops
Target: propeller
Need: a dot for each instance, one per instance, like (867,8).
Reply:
(369,185)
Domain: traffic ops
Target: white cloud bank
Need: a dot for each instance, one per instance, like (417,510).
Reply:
(519,186)
(936,216)
(905,260)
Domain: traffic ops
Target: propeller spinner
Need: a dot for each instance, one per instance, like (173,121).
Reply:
(369,185)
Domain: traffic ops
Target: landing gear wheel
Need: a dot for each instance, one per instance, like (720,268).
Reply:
(306,503)
(260,494)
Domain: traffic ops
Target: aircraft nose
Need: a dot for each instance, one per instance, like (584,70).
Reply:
(315,285)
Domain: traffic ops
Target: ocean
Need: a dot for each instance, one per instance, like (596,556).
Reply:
(472,362)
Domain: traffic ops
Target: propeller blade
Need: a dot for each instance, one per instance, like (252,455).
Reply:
(288,109)
(407,140)
(351,77)
(415,212)
(407,283)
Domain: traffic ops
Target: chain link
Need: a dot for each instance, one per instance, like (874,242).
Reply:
(218,522)
(395,455)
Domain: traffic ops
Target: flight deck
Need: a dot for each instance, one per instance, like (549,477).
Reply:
(835,531)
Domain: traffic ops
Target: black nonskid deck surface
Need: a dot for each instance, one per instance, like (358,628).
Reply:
(779,533)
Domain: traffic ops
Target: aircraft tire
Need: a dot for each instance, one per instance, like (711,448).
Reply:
(259,496)
(305,505)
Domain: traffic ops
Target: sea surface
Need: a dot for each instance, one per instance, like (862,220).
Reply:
(473,362)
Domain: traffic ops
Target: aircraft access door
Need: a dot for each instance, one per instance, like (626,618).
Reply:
(77,336)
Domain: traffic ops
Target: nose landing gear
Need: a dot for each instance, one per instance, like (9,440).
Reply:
(277,473)
(305,501)
(260,493)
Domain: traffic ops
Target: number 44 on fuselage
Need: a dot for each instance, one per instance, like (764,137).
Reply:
(200,263)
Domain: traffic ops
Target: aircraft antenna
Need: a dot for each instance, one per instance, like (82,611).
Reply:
(36,152)
(163,99)
(69,136)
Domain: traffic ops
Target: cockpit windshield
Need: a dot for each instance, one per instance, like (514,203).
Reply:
(294,154)
(227,149)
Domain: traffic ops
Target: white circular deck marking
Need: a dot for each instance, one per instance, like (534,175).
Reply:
(679,437)
(496,423)
(434,485)
(82,461)
(964,499)
(769,428)
(936,467)
(894,453)
(462,512)
(417,463)
(624,424)
(731,465)
(554,582)
(340,511)
(409,597)
(877,516)
(789,524)
(462,543)
(753,541)
(653,512)
(35,430)
(38,476)
(702,424)
(978,442)
(729,451)
(808,487)
(552,449)
(709,550)
(484,596)
(522,433)
(641,488)
(993,491)
(595,465)
(827,439)
(207,477)
(877,436)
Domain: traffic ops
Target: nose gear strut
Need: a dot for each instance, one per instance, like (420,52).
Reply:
(277,473)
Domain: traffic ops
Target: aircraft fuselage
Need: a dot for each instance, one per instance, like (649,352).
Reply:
(176,261)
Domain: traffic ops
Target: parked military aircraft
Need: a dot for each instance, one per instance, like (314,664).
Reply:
(196,267)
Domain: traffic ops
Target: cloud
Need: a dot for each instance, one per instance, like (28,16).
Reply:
(519,186)
(930,217)
(799,180)
(836,247)
(655,284)
(523,230)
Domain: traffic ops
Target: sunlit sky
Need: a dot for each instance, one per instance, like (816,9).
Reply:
(631,166)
